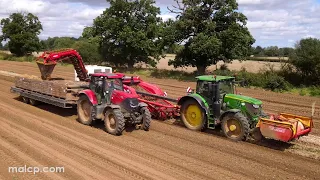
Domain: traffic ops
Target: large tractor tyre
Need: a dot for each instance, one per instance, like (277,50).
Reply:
(192,115)
(235,126)
(84,108)
(146,120)
(25,99)
(114,121)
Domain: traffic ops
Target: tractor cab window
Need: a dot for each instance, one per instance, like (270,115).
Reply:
(115,84)
(226,87)
(203,88)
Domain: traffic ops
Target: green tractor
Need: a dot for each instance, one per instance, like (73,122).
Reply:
(214,103)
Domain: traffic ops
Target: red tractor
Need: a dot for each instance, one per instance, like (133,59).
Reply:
(106,99)
(102,95)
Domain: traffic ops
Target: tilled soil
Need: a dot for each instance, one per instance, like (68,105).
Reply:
(51,136)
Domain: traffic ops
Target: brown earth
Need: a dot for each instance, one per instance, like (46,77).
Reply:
(51,136)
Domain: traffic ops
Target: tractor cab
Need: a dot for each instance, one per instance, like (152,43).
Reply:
(214,87)
(103,86)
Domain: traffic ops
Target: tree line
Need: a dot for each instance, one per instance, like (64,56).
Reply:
(131,31)
(271,51)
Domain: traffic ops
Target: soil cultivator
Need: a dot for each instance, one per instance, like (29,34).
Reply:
(160,106)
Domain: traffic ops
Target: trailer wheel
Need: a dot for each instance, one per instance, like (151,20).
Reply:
(114,121)
(146,120)
(235,126)
(84,108)
(192,115)
(25,100)
(33,102)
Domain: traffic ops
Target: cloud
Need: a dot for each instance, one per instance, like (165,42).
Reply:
(281,22)
(271,22)
(58,18)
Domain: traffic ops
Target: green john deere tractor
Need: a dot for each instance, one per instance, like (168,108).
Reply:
(214,102)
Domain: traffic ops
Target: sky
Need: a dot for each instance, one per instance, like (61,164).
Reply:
(271,22)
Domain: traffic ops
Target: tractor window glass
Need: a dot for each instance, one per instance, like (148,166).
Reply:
(226,87)
(203,88)
(115,84)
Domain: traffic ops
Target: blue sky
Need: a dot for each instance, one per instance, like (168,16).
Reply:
(271,22)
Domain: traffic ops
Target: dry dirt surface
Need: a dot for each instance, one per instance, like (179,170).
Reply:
(49,136)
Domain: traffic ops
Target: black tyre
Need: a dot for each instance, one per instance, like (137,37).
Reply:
(33,102)
(84,108)
(235,126)
(256,135)
(114,121)
(25,100)
(192,115)
(146,121)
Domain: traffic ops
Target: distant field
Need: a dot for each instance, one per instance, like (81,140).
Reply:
(251,66)
(269,59)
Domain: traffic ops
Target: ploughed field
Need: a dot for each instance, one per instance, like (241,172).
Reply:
(51,136)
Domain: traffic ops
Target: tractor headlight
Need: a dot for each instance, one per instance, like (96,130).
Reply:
(253,109)
(256,106)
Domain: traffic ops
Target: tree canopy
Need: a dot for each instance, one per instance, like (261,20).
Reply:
(212,30)
(306,58)
(129,32)
(22,30)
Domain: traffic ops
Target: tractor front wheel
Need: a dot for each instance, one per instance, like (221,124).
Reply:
(193,115)
(84,108)
(235,126)
(114,121)
(146,120)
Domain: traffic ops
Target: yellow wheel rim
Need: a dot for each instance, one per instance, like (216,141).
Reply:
(233,128)
(193,115)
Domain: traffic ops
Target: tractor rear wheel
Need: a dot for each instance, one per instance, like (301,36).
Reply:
(84,108)
(114,121)
(146,120)
(235,126)
(193,115)
(25,100)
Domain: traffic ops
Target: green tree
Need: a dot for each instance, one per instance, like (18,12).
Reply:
(63,42)
(1,46)
(212,30)
(129,32)
(258,51)
(22,30)
(272,51)
(286,51)
(306,59)
(89,51)
(48,44)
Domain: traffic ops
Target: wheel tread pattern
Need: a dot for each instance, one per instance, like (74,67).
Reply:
(147,121)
